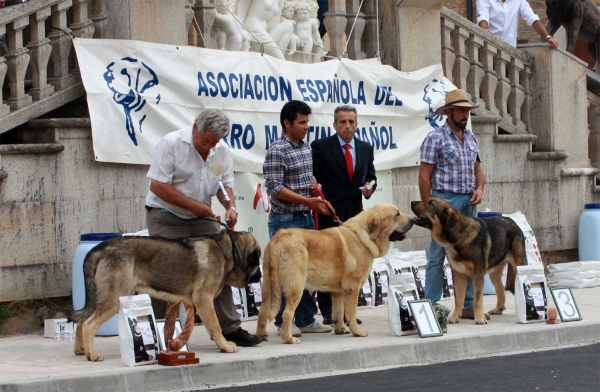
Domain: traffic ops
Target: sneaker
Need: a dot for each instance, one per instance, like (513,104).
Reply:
(316,327)
(470,314)
(295,331)
(243,338)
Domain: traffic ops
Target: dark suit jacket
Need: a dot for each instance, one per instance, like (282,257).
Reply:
(329,168)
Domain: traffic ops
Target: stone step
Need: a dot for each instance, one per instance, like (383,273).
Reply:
(558,155)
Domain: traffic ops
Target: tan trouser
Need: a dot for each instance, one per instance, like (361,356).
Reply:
(167,225)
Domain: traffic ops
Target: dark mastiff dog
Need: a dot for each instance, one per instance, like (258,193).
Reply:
(474,247)
(194,269)
(579,17)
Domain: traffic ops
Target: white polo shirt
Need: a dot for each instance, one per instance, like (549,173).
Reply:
(177,162)
(503,18)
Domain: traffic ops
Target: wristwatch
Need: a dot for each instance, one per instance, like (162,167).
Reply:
(235,209)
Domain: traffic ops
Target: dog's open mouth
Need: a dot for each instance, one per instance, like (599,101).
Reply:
(397,236)
(422,222)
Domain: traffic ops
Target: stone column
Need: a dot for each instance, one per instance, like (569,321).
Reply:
(335,23)
(39,50)
(354,50)
(559,103)
(17,60)
(414,27)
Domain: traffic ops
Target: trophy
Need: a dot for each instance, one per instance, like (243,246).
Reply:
(217,172)
(172,356)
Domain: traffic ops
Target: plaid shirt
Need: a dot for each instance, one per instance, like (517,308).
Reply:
(291,166)
(454,161)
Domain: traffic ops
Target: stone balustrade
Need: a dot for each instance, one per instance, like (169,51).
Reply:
(38,68)
(496,75)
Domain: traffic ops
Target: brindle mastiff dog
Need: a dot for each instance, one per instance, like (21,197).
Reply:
(474,246)
(194,269)
(337,260)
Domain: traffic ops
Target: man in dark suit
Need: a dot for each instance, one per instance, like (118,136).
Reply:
(342,165)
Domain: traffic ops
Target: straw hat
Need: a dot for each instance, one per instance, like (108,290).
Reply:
(456,99)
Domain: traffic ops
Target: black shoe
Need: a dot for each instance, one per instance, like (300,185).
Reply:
(327,319)
(241,337)
(197,320)
(358,321)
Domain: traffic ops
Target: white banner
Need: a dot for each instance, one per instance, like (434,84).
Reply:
(137,92)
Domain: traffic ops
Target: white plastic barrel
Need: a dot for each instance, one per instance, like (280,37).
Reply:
(589,233)
(87,242)
(488,287)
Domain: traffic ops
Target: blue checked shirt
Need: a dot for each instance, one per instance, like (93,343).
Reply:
(454,161)
(291,166)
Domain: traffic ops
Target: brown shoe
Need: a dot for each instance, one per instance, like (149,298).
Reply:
(470,314)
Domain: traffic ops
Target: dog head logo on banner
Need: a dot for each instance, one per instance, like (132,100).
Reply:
(432,93)
(128,81)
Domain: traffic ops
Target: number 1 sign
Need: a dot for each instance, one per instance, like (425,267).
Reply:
(565,303)
(424,316)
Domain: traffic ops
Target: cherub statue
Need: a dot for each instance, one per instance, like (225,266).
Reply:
(227,31)
(304,27)
(318,47)
(261,18)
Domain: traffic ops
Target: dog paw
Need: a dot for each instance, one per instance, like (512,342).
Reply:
(291,340)
(454,318)
(229,347)
(480,320)
(497,311)
(341,331)
(360,332)
(95,357)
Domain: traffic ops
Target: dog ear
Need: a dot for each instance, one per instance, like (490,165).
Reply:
(374,225)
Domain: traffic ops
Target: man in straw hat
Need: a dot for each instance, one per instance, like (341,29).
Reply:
(451,170)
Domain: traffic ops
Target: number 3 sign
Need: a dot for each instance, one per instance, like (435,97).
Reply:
(565,303)
(424,316)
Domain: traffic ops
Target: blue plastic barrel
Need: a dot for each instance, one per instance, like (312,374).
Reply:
(87,242)
(488,287)
(589,233)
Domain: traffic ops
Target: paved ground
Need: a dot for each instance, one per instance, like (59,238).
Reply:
(35,363)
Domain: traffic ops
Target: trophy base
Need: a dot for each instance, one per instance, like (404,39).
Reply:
(551,322)
(177,358)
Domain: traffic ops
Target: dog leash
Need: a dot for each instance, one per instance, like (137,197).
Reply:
(336,219)
(237,260)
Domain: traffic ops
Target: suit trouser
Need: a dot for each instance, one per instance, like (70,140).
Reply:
(434,273)
(165,224)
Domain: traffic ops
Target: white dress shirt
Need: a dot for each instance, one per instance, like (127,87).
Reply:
(503,18)
(177,162)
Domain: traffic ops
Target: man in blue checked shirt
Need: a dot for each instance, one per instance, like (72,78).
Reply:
(451,170)
(288,171)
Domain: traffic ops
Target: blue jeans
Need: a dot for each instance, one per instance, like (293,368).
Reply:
(306,310)
(434,274)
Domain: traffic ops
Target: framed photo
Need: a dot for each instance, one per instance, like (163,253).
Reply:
(424,316)
(565,304)
(160,324)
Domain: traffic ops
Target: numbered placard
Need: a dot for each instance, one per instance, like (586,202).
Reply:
(424,316)
(565,304)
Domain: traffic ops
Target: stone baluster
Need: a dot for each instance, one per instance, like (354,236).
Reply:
(476,72)
(490,81)
(448,56)
(527,103)
(335,23)
(354,49)
(82,26)
(503,88)
(517,92)
(205,12)
(4,109)
(461,65)
(371,27)
(99,17)
(17,60)
(61,47)
(39,51)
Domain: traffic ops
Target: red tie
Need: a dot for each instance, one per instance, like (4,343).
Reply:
(348,158)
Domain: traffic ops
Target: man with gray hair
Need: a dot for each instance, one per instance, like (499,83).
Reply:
(182,185)
(343,165)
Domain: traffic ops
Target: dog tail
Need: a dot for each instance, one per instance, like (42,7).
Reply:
(271,286)
(90,264)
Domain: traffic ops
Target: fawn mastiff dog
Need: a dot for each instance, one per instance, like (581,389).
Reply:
(337,260)
(474,246)
(194,269)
